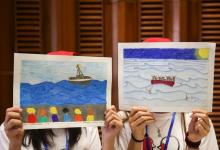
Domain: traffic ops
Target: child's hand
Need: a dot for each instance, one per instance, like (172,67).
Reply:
(139,118)
(199,125)
(113,125)
(14,127)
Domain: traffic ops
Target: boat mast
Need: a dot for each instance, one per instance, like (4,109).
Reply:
(79,73)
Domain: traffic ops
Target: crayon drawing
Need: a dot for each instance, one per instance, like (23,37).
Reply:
(61,91)
(166,77)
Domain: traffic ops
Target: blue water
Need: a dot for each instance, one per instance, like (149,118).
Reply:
(63,93)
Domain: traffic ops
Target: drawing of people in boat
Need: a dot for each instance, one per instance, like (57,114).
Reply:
(167,80)
(80,78)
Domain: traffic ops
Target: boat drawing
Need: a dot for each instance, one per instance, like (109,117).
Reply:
(80,78)
(167,80)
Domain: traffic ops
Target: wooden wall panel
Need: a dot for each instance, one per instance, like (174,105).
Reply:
(6,55)
(62,25)
(90,27)
(28,26)
(151,19)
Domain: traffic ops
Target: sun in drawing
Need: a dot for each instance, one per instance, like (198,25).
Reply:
(202,53)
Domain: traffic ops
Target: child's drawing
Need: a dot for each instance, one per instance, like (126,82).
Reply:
(61,91)
(166,77)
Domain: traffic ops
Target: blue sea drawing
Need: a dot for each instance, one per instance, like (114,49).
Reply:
(165,76)
(63,93)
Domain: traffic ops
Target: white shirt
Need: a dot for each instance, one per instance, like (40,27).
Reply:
(177,135)
(89,140)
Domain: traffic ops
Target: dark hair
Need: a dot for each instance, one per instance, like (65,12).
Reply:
(45,136)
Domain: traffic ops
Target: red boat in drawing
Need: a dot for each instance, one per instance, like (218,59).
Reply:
(167,80)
